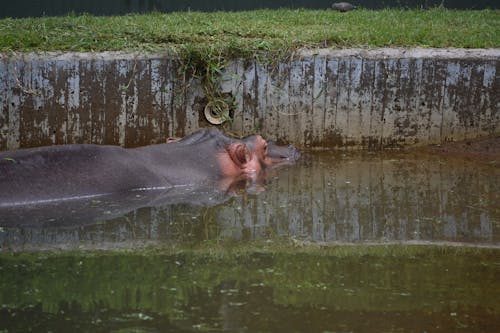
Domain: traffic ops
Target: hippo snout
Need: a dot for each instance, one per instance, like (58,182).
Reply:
(283,154)
(289,153)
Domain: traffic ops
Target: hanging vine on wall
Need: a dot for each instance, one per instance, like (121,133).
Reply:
(208,65)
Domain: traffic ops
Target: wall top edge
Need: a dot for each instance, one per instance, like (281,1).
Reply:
(395,53)
(77,56)
(375,53)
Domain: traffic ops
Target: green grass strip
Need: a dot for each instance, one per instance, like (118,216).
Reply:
(242,34)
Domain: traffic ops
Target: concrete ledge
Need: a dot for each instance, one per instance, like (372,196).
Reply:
(376,98)
(386,53)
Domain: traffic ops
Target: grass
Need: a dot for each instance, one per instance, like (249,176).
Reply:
(243,34)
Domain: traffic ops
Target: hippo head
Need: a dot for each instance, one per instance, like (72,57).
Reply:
(249,159)
(269,154)
(208,153)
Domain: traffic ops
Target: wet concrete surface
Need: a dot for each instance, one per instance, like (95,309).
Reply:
(479,150)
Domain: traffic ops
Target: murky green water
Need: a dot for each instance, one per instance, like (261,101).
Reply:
(356,242)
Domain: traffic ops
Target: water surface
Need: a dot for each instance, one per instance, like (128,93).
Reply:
(395,290)
(340,242)
(327,197)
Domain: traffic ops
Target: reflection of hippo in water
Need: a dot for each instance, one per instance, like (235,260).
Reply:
(65,172)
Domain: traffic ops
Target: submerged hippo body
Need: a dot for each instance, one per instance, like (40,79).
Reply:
(68,172)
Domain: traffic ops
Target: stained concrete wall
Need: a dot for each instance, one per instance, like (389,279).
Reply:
(333,98)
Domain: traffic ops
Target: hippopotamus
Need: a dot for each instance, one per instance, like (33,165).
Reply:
(82,171)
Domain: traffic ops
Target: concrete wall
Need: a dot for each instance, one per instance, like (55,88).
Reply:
(333,98)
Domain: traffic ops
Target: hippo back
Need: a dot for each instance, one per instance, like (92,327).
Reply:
(69,172)
(191,160)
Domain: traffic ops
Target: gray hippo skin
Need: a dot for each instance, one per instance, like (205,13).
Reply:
(80,172)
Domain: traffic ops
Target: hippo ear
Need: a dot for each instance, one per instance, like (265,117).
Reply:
(239,153)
